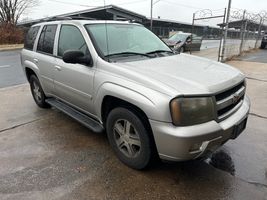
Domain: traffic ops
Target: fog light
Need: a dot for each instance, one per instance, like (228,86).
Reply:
(196,148)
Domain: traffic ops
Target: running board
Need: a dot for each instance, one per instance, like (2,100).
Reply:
(75,114)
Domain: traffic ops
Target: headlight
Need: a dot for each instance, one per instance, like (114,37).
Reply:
(189,111)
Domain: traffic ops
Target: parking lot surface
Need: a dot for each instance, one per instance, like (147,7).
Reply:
(10,69)
(256,56)
(44,154)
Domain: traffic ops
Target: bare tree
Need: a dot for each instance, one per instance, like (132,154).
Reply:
(11,10)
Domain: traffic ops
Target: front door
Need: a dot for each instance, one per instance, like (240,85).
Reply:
(73,82)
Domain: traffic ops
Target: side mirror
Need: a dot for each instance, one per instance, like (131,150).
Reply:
(76,57)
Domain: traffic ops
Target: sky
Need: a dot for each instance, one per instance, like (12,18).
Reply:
(179,10)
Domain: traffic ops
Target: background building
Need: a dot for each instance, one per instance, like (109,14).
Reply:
(161,27)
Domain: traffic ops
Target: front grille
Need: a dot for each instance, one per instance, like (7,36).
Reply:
(229,101)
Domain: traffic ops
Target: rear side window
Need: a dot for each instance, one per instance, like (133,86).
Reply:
(70,38)
(47,38)
(30,37)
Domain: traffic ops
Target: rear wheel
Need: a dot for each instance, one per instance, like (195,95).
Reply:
(129,138)
(263,45)
(37,92)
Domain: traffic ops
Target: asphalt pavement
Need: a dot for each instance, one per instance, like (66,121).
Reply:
(11,72)
(44,154)
(256,56)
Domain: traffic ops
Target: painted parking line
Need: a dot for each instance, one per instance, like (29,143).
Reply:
(5,66)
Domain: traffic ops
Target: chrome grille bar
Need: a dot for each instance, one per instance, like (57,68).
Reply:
(229,101)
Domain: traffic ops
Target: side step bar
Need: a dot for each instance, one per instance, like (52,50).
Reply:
(75,114)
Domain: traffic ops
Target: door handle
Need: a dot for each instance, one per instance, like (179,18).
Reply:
(58,68)
(35,60)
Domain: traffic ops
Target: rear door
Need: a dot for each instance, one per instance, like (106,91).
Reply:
(73,82)
(44,58)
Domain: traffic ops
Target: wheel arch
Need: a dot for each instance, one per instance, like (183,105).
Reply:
(29,72)
(110,102)
(120,94)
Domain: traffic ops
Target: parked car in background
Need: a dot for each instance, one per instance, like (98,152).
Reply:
(184,42)
(127,82)
(264,41)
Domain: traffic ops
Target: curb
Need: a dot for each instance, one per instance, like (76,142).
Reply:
(11,49)
(13,87)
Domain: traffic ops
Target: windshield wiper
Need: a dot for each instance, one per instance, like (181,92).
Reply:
(159,51)
(129,54)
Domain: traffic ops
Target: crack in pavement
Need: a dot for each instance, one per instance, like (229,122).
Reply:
(25,123)
(256,115)
(256,79)
(256,183)
(22,124)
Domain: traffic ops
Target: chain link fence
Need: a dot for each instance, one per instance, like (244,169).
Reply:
(245,31)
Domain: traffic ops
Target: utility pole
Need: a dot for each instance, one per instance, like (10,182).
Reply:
(226,27)
(151,14)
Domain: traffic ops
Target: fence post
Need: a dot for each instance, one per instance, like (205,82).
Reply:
(226,28)
(192,29)
(243,31)
(259,32)
(221,39)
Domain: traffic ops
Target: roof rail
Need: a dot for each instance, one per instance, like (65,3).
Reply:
(59,18)
(82,18)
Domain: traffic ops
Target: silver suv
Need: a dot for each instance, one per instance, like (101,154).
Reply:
(120,78)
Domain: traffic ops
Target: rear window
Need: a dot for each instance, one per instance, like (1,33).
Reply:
(30,37)
(47,38)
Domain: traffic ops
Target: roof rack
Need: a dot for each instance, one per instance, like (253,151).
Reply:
(59,18)
(82,18)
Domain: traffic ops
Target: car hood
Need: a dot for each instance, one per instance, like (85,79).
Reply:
(182,74)
(172,42)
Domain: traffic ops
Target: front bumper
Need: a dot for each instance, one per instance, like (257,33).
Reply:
(181,143)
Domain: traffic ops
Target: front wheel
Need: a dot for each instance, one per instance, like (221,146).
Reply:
(129,138)
(37,92)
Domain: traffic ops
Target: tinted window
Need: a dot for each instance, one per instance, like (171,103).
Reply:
(47,38)
(70,38)
(30,37)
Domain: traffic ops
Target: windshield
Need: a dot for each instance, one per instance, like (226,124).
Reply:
(115,39)
(178,37)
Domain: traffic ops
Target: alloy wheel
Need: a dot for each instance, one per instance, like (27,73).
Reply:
(127,138)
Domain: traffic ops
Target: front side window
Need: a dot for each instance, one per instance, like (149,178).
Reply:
(125,38)
(71,38)
(30,37)
(47,38)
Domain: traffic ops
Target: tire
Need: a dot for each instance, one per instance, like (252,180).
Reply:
(182,50)
(37,92)
(263,46)
(129,138)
